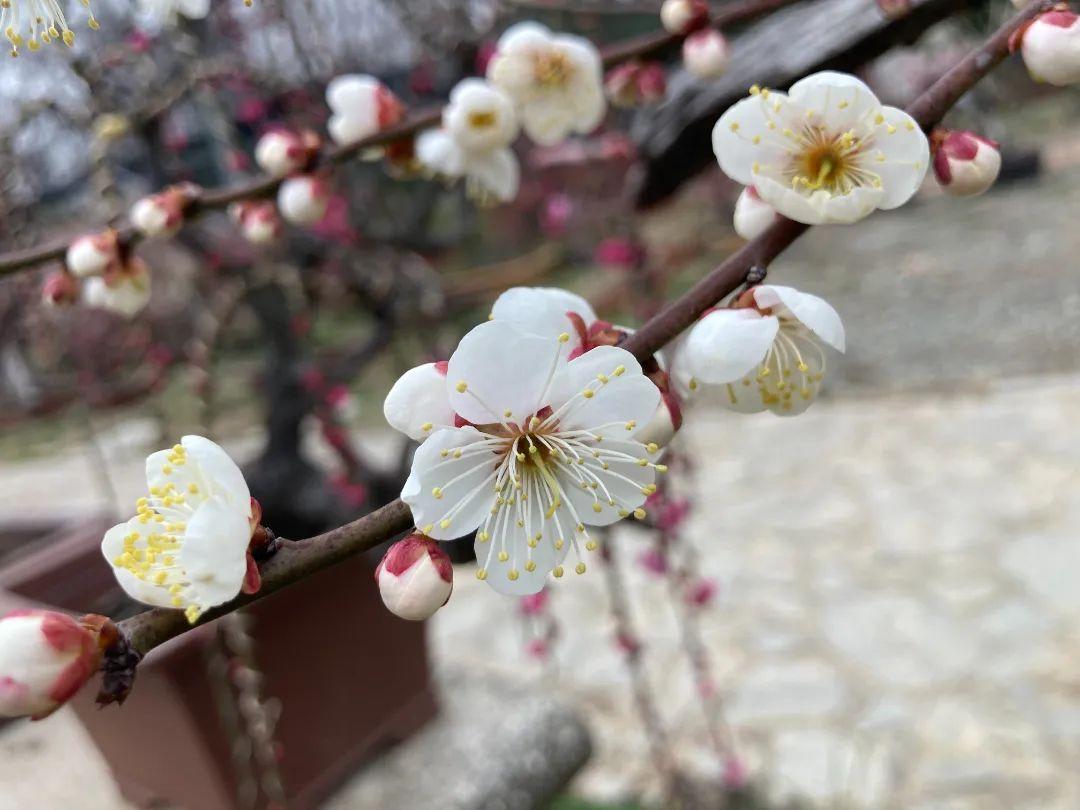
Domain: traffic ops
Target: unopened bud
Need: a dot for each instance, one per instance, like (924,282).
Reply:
(965,164)
(162,214)
(1051,48)
(281,152)
(684,16)
(362,106)
(415,578)
(60,288)
(45,657)
(303,200)
(706,54)
(652,83)
(633,83)
(258,220)
(752,214)
(93,254)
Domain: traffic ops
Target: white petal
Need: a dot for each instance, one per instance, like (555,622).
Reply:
(524,34)
(547,120)
(219,469)
(628,397)
(418,403)
(213,552)
(543,311)
(160,472)
(752,216)
(734,134)
(503,370)
(512,539)
(431,495)
(194,9)
(742,396)
(438,152)
(815,313)
(840,99)
(727,344)
(594,506)
(125,297)
(497,172)
(907,157)
(351,93)
(112,546)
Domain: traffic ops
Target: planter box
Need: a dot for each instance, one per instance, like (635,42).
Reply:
(352,679)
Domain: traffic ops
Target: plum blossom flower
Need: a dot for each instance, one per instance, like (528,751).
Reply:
(556,81)
(766,352)
(752,214)
(826,152)
(1050,46)
(544,447)
(124,290)
(706,54)
(635,82)
(162,214)
(45,657)
(93,254)
(303,200)
(187,546)
(415,578)
(281,152)
(965,164)
(478,126)
(361,106)
(34,23)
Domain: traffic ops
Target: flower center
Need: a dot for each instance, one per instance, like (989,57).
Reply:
(828,162)
(482,120)
(793,367)
(552,68)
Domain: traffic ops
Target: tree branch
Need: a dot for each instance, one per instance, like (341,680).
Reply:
(299,559)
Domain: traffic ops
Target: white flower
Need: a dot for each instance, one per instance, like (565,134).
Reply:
(752,214)
(682,17)
(258,220)
(361,106)
(766,352)
(478,126)
(1051,48)
(303,200)
(44,658)
(124,292)
(281,152)
(93,254)
(965,164)
(187,546)
(166,11)
(415,578)
(162,214)
(827,152)
(706,54)
(37,22)
(546,448)
(556,81)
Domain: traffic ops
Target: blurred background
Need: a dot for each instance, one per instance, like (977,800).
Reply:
(874,604)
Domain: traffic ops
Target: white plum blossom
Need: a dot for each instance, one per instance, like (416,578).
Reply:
(415,578)
(166,11)
(1051,47)
(826,152)
(303,200)
(556,81)
(752,214)
(187,546)
(478,126)
(162,214)
(682,17)
(93,254)
(125,291)
(418,403)
(259,220)
(34,23)
(706,54)
(44,658)
(965,164)
(766,352)
(281,152)
(361,106)
(544,447)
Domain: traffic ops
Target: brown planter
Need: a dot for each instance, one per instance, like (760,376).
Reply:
(351,678)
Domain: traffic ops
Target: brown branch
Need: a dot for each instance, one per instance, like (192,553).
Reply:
(265,186)
(299,559)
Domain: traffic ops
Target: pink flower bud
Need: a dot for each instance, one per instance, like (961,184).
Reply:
(683,17)
(654,561)
(652,83)
(162,214)
(281,152)
(538,648)
(629,644)
(965,164)
(258,220)
(1050,46)
(93,255)
(895,9)
(752,214)
(45,657)
(555,215)
(303,200)
(60,288)
(621,85)
(706,54)
(415,578)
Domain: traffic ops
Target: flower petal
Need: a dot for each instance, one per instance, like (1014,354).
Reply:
(498,370)
(457,491)
(213,553)
(815,313)
(620,482)
(839,98)
(225,479)
(626,396)
(438,152)
(543,311)
(418,402)
(497,171)
(727,344)
(906,153)
(112,546)
(734,134)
